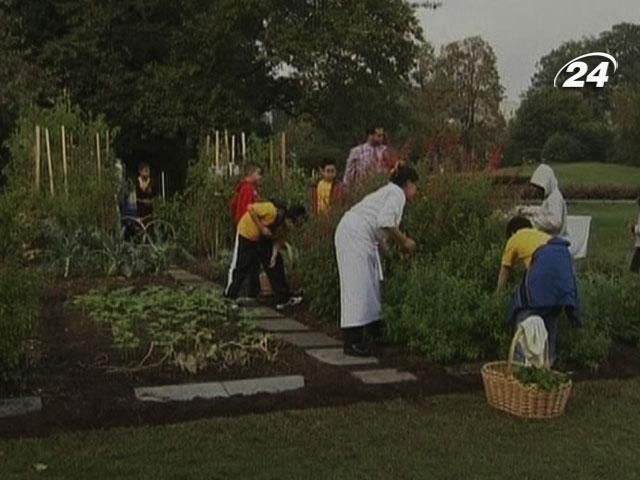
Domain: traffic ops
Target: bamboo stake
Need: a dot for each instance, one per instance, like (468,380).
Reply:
(233,149)
(217,152)
(208,147)
(226,146)
(37,158)
(49,163)
(98,158)
(163,179)
(243,140)
(64,161)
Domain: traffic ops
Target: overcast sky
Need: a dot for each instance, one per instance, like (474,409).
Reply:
(522,31)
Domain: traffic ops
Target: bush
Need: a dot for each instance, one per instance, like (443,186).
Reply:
(563,148)
(20,292)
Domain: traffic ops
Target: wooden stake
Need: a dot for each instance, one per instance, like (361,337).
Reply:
(163,179)
(271,154)
(243,140)
(107,146)
(98,157)
(217,152)
(37,158)
(49,163)
(208,146)
(233,149)
(64,161)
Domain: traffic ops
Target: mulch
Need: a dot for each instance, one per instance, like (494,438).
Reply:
(78,393)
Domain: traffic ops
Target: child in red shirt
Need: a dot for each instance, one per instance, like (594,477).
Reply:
(246,193)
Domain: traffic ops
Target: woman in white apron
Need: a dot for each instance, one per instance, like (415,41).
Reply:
(358,236)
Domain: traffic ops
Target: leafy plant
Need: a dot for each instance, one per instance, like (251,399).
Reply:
(542,378)
(20,291)
(191,329)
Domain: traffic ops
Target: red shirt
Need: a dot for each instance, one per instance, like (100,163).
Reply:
(246,193)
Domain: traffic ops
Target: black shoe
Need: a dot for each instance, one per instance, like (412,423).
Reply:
(357,350)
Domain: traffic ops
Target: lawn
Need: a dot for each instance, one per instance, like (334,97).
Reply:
(610,240)
(586,173)
(437,437)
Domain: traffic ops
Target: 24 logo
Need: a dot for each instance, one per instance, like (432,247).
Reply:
(598,76)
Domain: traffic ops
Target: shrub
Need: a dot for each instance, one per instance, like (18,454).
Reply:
(562,148)
(20,291)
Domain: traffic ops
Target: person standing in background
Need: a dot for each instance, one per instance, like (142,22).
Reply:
(144,194)
(551,216)
(365,159)
(328,190)
(635,231)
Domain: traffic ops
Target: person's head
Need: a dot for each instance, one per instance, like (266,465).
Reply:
(375,136)
(543,182)
(517,223)
(328,170)
(407,179)
(295,215)
(144,170)
(252,173)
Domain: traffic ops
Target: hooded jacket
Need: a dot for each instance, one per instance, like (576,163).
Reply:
(551,216)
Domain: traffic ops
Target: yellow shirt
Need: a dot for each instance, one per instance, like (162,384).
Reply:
(324,195)
(267,213)
(522,245)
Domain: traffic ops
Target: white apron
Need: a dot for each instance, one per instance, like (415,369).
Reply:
(360,273)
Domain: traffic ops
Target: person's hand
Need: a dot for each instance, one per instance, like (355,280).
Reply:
(274,259)
(265,232)
(409,245)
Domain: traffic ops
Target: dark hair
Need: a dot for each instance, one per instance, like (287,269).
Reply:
(517,223)
(326,162)
(297,213)
(142,165)
(404,174)
(371,130)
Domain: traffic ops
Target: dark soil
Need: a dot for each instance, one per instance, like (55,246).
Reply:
(78,392)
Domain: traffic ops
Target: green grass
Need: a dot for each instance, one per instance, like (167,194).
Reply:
(586,173)
(610,240)
(440,437)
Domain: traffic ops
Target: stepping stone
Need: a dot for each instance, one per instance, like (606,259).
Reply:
(181,393)
(382,376)
(264,385)
(13,407)
(259,312)
(308,339)
(336,356)
(465,369)
(282,325)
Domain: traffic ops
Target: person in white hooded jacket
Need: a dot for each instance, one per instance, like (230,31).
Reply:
(635,231)
(551,216)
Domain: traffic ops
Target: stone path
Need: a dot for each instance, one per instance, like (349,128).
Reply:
(211,390)
(317,345)
(13,407)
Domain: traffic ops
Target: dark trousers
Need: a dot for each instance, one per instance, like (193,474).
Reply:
(245,266)
(373,331)
(635,262)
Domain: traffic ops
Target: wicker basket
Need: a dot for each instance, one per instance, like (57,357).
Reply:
(506,393)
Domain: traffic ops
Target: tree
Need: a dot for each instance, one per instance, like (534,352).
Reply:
(626,116)
(459,94)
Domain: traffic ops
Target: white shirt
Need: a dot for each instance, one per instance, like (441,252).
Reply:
(379,210)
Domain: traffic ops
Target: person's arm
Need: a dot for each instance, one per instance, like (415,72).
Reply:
(264,230)
(349,171)
(405,242)
(277,246)
(503,276)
